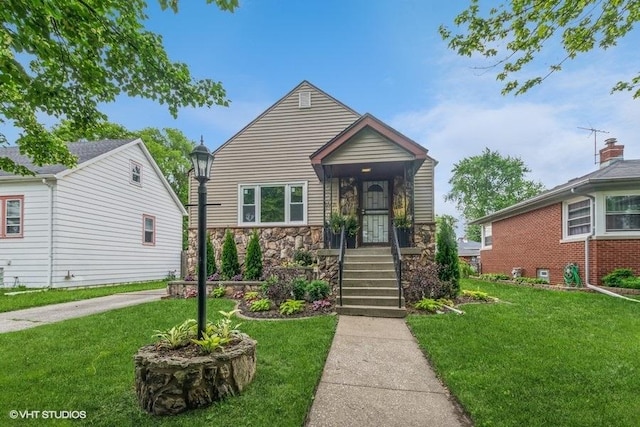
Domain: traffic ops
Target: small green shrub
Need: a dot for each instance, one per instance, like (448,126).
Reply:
(317,289)
(631,283)
(302,257)
(291,306)
(616,277)
(253,261)
(465,269)
(299,287)
(210,343)
(531,280)
(251,296)
(260,305)
(431,305)
(218,292)
(230,265)
(476,295)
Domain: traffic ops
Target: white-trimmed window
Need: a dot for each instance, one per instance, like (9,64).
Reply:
(272,203)
(622,213)
(11,216)
(148,230)
(135,173)
(578,218)
(487,235)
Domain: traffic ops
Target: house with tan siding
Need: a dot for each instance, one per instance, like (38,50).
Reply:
(592,221)
(305,158)
(111,219)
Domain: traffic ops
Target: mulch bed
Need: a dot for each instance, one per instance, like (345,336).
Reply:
(308,311)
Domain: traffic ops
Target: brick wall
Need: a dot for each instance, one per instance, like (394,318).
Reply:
(533,240)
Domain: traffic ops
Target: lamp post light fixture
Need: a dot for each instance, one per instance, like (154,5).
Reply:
(202,159)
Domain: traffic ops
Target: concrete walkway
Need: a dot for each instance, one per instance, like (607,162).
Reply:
(36,316)
(376,375)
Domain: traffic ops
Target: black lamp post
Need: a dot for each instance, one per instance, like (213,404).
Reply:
(202,160)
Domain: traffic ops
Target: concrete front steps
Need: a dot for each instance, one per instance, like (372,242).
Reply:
(369,286)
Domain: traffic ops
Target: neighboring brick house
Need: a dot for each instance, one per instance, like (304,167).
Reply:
(592,221)
(469,252)
(304,158)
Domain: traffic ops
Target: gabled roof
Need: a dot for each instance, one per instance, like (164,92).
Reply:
(278,102)
(84,151)
(369,121)
(87,153)
(621,174)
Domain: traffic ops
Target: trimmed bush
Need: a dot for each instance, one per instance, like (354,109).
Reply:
(317,290)
(617,276)
(299,287)
(447,258)
(302,257)
(253,261)
(230,266)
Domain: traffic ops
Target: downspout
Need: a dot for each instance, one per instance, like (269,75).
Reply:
(586,253)
(50,235)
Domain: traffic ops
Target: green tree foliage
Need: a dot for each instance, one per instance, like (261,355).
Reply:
(63,58)
(253,261)
(447,257)
(514,33)
(483,184)
(229,264)
(211,257)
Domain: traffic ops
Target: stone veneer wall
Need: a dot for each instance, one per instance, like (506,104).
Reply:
(277,243)
(425,240)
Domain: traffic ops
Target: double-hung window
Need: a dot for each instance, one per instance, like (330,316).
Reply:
(623,213)
(11,216)
(272,203)
(487,235)
(579,218)
(148,230)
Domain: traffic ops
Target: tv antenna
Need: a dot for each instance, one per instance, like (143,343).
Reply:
(595,137)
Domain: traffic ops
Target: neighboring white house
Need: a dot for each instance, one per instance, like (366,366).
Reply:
(111,219)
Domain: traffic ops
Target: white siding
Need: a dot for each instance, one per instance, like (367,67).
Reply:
(275,148)
(27,258)
(98,224)
(368,146)
(423,193)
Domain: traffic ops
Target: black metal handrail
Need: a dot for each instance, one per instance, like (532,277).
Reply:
(341,260)
(397,262)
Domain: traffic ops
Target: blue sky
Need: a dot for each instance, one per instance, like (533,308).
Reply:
(386,58)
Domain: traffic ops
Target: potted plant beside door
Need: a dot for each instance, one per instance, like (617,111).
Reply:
(402,223)
(351,228)
(335,227)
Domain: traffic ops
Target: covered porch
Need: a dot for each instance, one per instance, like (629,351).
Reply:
(367,174)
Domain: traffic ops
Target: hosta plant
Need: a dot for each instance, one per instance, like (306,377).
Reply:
(218,292)
(432,305)
(223,327)
(177,336)
(291,306)
(251,296)
(476,295)
(210,343)
(260,305)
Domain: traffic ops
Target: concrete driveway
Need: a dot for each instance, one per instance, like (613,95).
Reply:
(36,316)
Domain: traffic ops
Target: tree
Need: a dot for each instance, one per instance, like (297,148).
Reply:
(253,262)
(447,257)
(525,27)
(483,184)
(62,59)
(229,265)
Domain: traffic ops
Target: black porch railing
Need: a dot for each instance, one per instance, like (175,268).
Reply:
(341,261)
(397,262)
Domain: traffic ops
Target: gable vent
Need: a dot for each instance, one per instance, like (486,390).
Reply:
(304,99)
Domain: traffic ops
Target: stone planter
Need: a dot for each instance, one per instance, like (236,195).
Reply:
(168,382)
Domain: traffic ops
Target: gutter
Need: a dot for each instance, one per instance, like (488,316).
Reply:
(50,235)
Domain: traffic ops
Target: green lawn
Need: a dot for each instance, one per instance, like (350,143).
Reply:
(54,296)
(86,364)
(539,358)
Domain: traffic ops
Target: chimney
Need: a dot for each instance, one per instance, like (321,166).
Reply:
(611,153)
